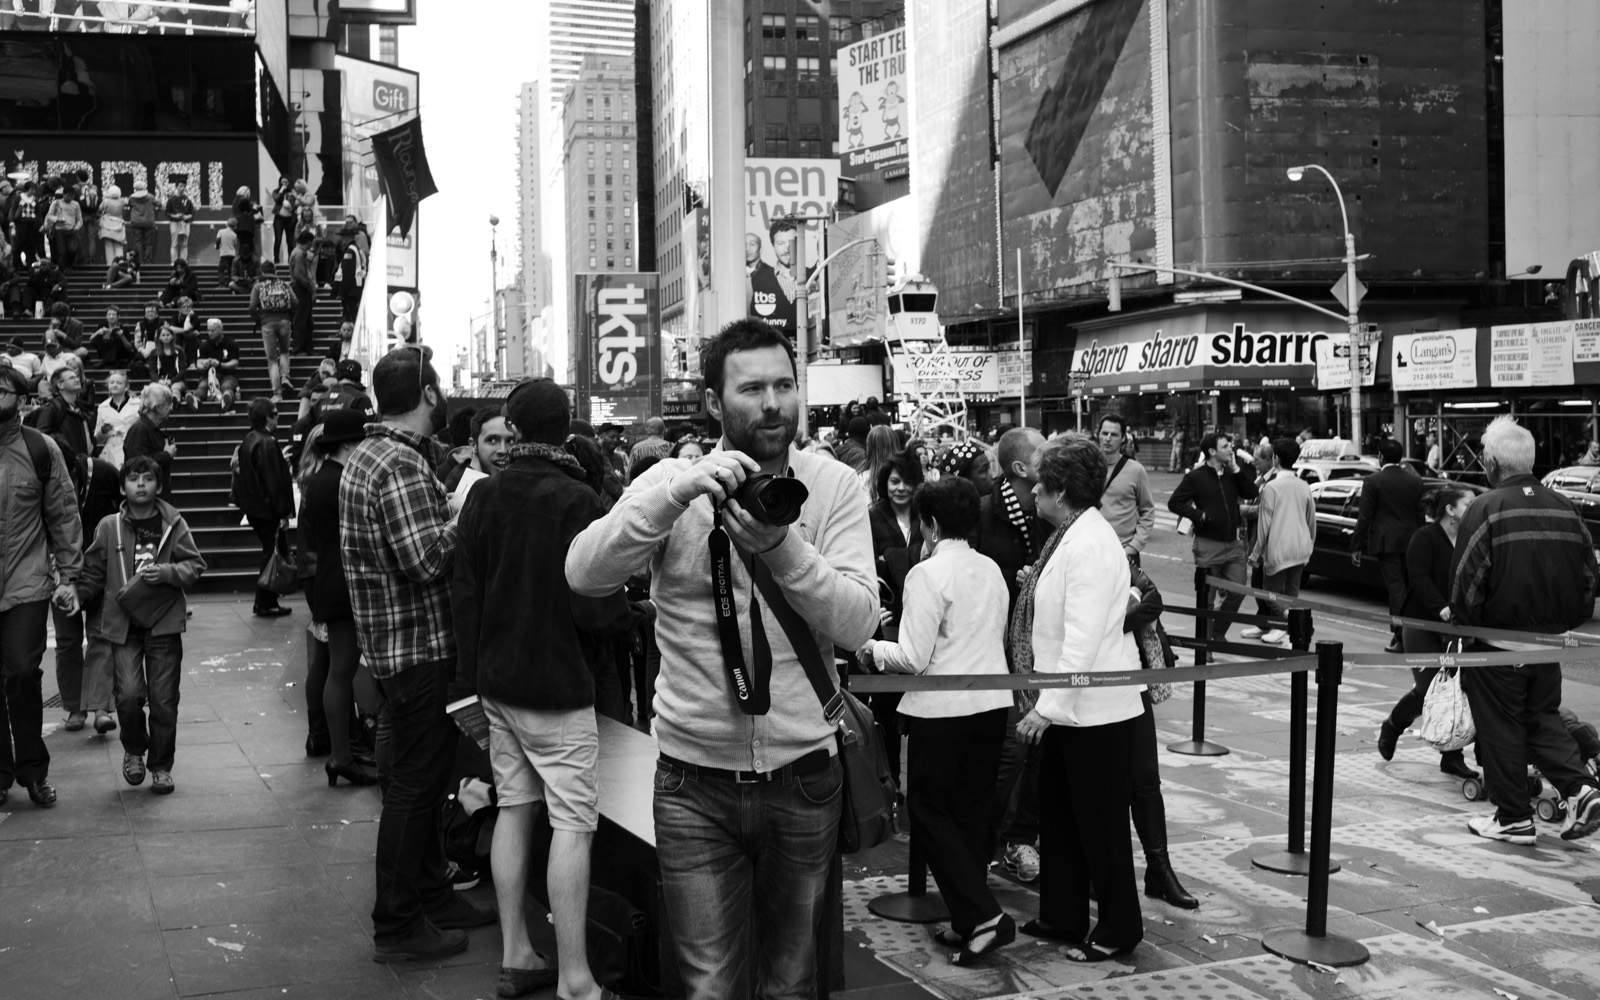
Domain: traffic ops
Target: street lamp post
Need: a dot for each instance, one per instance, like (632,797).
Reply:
(1352,300)
(493,321)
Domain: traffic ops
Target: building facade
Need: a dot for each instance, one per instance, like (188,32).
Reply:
(533,266)
(599,163)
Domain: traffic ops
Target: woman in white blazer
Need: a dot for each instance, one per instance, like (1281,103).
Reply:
(1069,617)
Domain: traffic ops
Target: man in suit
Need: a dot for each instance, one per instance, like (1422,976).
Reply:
(1391,511)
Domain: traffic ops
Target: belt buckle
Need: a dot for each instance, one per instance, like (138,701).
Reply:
(750,778)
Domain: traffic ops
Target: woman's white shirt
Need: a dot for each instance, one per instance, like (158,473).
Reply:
(1079,607)
(953,621)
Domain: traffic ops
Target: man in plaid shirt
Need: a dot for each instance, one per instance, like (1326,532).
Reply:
(399,546)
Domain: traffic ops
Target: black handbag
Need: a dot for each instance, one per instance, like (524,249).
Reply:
(867,817)
(280,576)
(147,603)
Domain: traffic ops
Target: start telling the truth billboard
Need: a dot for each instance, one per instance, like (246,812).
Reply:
(616,327)
(872,104)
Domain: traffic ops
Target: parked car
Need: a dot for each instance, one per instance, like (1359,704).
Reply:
(1338,508)
(1323,470)
(1581,485)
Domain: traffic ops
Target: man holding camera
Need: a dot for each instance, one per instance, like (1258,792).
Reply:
(747,789)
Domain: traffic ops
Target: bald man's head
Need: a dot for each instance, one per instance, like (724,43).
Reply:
(1018,447)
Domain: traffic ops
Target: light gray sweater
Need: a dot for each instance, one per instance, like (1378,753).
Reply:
(824,568)
(1287,531)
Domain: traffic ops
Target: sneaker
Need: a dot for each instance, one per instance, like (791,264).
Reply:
(1251,632)
(161,782)
(1515,833)
(133,768)
(1583,814)
(1022,860)
(461,879)
(1277,635)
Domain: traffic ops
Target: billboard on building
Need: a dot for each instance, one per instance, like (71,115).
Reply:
(196,17)
(616,328)
(873,113)
(948,54)
(376,97)
(1552,138)
(1077,144)
(775,189)
(856,307)
(378,11)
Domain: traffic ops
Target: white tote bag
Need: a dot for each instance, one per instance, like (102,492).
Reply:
(1446,717)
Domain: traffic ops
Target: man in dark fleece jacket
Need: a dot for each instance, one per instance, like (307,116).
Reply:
(1525,561)
(264,492)
(1209,496)
(521,649)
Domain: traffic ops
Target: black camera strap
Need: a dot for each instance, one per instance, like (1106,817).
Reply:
(752,688)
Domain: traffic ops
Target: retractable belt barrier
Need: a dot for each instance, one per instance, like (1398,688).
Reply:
(1313,944)
(1568,640)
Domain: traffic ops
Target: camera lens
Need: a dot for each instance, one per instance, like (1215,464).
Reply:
(773,500)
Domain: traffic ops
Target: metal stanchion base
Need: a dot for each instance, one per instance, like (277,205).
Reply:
(1331,949)
(1198,748)
(1290,863)
(908,909)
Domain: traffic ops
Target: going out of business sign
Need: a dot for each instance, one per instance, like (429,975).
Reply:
(872,104)
(617,324)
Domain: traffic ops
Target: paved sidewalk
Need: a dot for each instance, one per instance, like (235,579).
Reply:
(255,879)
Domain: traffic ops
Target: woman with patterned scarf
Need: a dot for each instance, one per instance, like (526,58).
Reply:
(1070,618)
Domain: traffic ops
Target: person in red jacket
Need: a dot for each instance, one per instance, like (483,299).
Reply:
(262,489)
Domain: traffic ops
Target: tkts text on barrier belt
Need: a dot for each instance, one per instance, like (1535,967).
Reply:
(874,683)
(1568,640)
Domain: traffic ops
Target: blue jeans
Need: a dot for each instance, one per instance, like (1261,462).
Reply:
(416,748)
(147,671)
(745,868)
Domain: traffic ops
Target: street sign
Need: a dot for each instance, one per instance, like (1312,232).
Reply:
(1341,292)
(1446,359)
(1333,363)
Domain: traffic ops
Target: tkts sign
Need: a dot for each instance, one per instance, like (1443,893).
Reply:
(617,325)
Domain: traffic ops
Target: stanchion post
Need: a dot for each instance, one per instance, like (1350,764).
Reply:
(1199,746)
(1315,944)
(916,905)
(1295,861)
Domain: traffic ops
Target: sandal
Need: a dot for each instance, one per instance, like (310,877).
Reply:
(991,939)
(1040,929)
(950,939)
(1086,954)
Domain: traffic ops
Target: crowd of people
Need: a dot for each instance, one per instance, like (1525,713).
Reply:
(517,556)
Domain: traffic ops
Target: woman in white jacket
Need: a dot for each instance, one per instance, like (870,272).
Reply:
(113,228)
(1069,619)
(953,622)
(115,415)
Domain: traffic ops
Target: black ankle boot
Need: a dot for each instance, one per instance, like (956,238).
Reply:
(1161,882)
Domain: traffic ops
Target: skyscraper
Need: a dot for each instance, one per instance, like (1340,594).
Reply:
(579,28)
(533,266)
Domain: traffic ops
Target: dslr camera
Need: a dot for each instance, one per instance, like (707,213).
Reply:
(774,500)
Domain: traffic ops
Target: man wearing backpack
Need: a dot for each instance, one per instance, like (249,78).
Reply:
(36,500)
(272,305)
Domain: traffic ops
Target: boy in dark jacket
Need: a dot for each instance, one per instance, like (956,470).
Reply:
(148,541)
(263,490)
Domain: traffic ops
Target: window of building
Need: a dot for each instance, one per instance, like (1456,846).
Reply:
(611,245)
(627,180)
(809,69)
(591,147)
(627,262)
(627,244)
(627,213)
(773,67)
(627,227)
(610,228)
(842,28)
(609,199)
(611,262)
(608,130)
(808,28)
(591,262)
(591,227)
(591,246)
(608,180)
(589,130)
(627,147)
(591,179)
(808,147)
(626,163)
(591,197)
(774,26)
(776,130)
(591,163)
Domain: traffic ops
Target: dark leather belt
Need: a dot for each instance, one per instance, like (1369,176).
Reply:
(812,762)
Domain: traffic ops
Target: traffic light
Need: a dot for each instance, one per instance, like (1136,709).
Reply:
(1114,289)
(893,273)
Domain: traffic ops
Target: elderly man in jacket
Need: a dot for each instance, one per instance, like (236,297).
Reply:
(41,515)
(1524,560)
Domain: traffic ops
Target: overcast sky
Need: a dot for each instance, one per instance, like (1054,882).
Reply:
(472,68)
